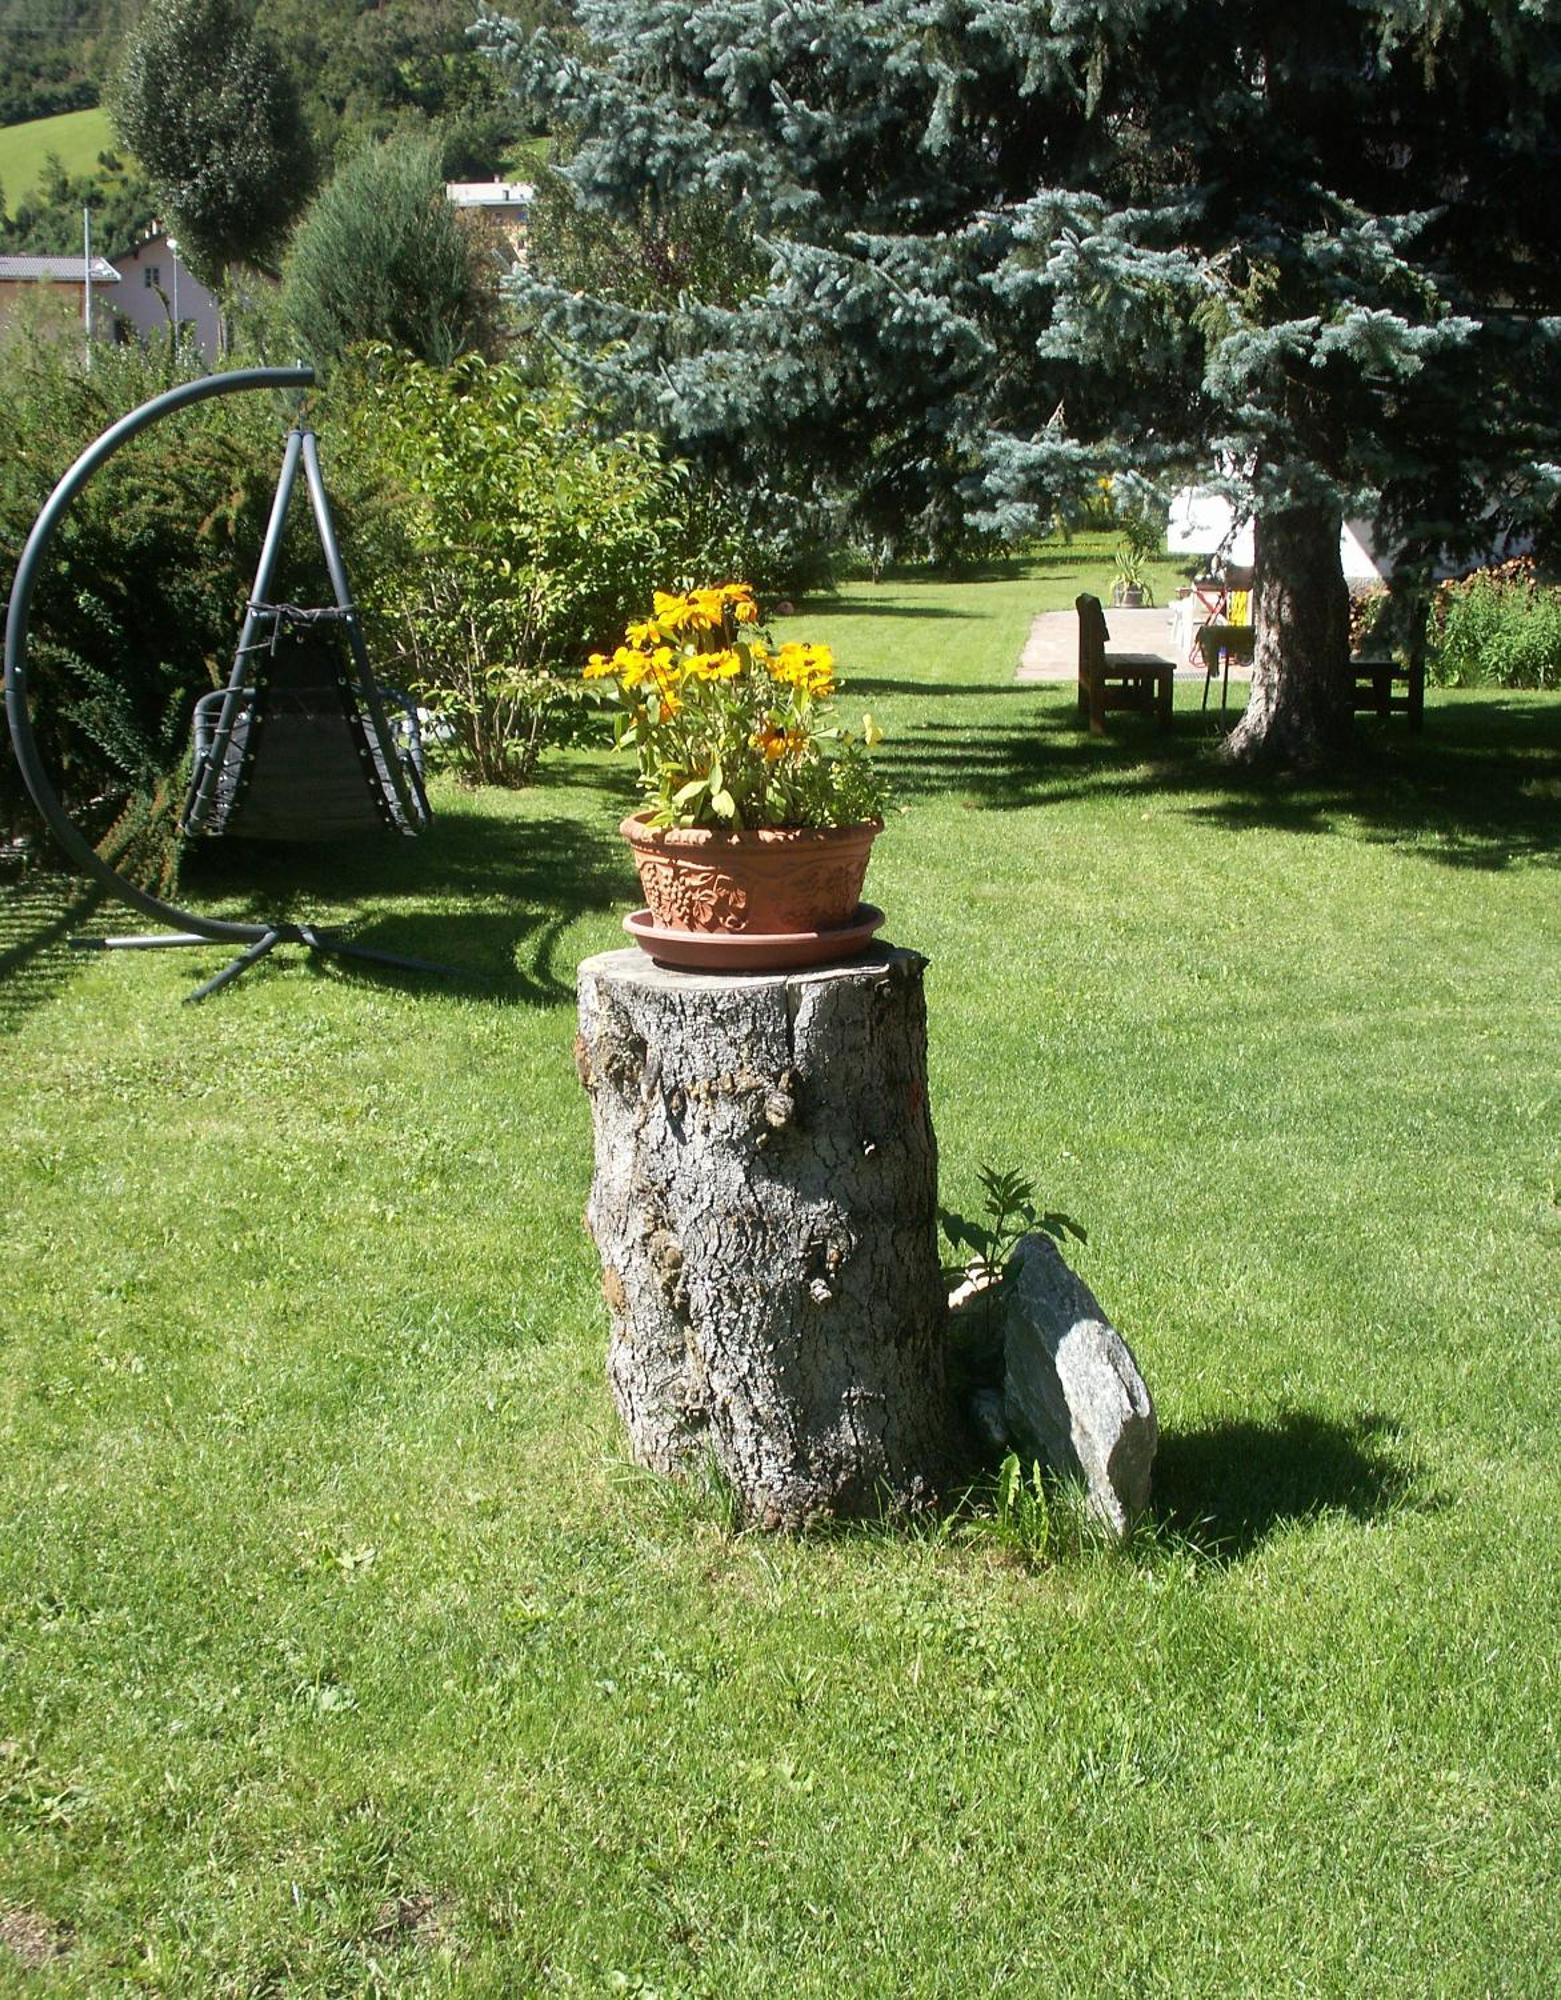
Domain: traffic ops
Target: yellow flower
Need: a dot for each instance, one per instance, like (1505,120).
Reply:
(739,597)
(778,743)
(722,666)
(630,665)
(809,669)
(597,667)
(674,614)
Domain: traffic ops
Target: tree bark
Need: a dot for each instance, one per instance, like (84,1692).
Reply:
(765,1206)
(1301,707)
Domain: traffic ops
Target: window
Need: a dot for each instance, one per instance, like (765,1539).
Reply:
(152,276)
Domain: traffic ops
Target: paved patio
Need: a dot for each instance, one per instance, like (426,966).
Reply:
(1051,653)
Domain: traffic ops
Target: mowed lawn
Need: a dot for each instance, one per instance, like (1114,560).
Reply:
(341,1649)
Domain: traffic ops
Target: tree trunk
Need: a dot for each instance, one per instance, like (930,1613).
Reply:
(765,1205)
(1300,709)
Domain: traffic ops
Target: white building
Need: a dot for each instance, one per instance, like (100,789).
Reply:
(158,291)
(1204,524)
(505,205)
(514,196)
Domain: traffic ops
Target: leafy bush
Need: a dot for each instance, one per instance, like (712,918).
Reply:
(1500,627)
(139,604)
(520,541)
(1370,605)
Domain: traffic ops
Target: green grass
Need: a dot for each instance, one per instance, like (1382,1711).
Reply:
(328,1593)
(77,136)
(527,157)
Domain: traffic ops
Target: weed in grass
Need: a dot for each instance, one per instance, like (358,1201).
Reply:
(698,1496)
(1041,1521)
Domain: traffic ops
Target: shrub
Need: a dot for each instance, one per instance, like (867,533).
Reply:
(1500,627)
(140,601)
(382,256)
(522,540)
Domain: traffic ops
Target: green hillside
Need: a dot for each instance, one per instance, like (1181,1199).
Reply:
(77,136)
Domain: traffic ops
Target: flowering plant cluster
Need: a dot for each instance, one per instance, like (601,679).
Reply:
(732,732)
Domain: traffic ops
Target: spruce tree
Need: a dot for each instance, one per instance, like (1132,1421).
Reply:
(1013,246)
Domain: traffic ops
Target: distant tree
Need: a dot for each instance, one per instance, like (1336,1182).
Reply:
(45,58)
(648,259)
(382,256)
(47,221)
(369,71)
(207,105)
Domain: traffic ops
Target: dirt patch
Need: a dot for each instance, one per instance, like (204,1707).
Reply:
(32,1938)
(418,1919)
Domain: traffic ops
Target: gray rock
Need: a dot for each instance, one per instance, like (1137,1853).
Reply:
(1072,1391)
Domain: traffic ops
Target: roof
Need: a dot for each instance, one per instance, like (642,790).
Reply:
(144,239)
(56,270)
(489,194)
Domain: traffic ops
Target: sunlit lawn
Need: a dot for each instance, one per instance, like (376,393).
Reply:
(340,1648)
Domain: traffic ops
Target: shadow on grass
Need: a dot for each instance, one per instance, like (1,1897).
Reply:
(1226,1489)
(870,684)
(486,896)
(981,568)
(37,916)
(1479,788)
(872,607)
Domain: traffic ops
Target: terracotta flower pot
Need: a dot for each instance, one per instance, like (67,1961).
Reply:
(769,880)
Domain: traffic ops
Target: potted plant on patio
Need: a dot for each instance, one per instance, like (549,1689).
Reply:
(1139,544)
(760,807)
(1128,590)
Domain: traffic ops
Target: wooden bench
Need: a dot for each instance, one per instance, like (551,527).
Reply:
(1137,681)
(1385,687)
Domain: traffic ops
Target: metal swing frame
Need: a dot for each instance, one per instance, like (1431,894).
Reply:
(256,940)
(228,714)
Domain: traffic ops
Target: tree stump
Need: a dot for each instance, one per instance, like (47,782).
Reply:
(765,1206)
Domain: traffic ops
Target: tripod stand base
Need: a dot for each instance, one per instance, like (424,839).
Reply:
(263,946)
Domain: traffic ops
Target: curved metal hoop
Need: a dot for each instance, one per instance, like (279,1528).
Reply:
(18,713)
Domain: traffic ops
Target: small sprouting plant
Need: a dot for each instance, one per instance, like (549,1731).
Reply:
(1022,1515)
(1031,1516)
(982,1248)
